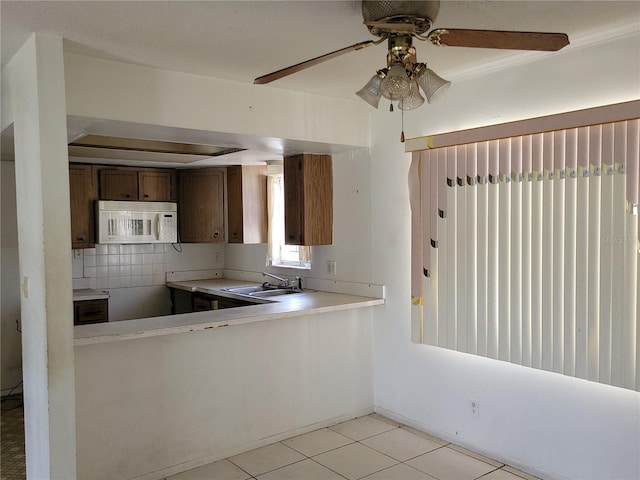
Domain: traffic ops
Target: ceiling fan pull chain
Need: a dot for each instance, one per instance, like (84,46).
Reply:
(402,121)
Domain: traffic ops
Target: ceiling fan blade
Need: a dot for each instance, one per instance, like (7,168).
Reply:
(548,42)
(310,63)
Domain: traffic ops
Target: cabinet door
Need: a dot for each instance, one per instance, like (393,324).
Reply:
(90,311)
(308,200)
(201,206)
(156,186)
(204,302)
(118,184)
(82,194)
(247,203)
(234,202)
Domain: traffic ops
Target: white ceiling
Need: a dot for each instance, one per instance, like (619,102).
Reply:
(241,40)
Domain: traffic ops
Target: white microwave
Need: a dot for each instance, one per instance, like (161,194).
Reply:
(136,222)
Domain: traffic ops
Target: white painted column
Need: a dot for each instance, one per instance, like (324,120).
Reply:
(36,75)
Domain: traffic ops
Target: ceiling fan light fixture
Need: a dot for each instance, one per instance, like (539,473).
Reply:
(413,99)
(396,83)
(432,84)
(371,92)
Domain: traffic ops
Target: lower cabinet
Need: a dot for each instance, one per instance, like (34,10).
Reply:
(203,302)
(90,311)
(187,302)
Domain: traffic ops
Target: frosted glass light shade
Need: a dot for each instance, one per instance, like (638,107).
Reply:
(396,83)
(413,99)
(371,93)
(432,85)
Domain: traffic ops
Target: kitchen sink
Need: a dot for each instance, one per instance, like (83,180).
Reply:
(249,290)
(261,290)
(273,293)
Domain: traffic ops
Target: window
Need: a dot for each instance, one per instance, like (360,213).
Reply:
(279,254)
(525,249)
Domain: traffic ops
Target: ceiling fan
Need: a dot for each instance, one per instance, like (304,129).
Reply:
(399,22)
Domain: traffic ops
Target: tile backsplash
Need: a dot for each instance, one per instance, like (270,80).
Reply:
(120,266)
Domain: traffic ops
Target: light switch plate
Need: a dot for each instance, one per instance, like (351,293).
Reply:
(331,268)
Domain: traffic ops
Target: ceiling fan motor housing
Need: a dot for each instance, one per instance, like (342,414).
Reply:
(420,14)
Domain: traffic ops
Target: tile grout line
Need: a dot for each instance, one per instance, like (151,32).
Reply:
(328,468)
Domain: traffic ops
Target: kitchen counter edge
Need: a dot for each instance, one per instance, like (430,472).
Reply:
(286,306)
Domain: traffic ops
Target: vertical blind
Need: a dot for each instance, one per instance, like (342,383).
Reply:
(526,249)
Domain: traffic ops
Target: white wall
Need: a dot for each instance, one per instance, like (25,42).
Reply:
(104,89)
(169,403)
(542,422)
(351,248)
(11,373)
(36,76)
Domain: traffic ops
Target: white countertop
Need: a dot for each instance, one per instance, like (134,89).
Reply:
(284,306)
(82,294)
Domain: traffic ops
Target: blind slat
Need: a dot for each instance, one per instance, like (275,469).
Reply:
(471,238)
(504,259)
(515,327)
(451,269)
(570,252)
(558,215)
(537,256)
(483,245)
(618,240)
(582,255)
(630,299)
(462,253)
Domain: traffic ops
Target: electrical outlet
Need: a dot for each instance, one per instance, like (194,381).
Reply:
(474,406)
(77,253)
(331,268)
(218,258)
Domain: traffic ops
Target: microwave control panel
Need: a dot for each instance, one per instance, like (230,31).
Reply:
(167,231)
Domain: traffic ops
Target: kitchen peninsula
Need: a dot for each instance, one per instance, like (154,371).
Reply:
(307,302)
(269,374)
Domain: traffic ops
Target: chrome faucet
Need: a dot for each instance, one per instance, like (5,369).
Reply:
(284,282)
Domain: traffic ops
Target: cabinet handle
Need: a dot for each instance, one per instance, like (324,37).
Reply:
(81,239)
(146,196)
(127,195)
(216,234)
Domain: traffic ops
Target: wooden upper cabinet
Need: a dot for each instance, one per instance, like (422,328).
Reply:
(129,183)
(83,192)
(118,184)
(201,205)
(155,186)
(308,200)
(247,204)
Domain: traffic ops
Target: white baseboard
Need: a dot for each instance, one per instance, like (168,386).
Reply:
(456,441)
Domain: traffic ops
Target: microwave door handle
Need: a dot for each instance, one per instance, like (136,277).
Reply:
(158,226)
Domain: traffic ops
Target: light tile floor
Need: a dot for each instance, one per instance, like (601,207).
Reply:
(371,448)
